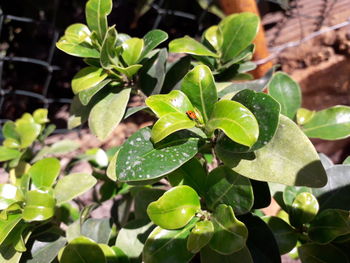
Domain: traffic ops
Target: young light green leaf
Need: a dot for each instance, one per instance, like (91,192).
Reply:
(168,245)
(27,129)
(132,49)
(152,39)
(230,234)
(238,123)
(9,131)
(175,208)
(40,116)
(200,236)
(175,101)
(114,254)
(108,112)
(76,49)
(128,71)
(239,31)
(77,33)
(274,161)
(170,123)
(140,160)
(86,95)
(9,194)
(39,206)
(214,36)
(287,92)
(87,78)
(6,226)
(304,116)
(67,188)
(329,124)
(45,172)
(199,86)
(190,46)
(96,12)
(229,188)
(7,154)
(304,209)
(109,55)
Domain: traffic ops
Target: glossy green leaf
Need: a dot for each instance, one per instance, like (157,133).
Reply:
(98,230)
(287,92)
(193,174)
(285,235)
(242,57)
(140,160)
(45,172)
(128,71)
(237,122)
(214,36)
(329,124)
(230,234)
(304,116)
(9,194)
(82,250)
(132,237)
(77,33)
(67,188)
(143,196)
(27,129)
(200,236)
(76,49)
(329,224)
(6,226)
(175,101)
(109,54)
(86,95)
(46,251)
(39,206)
(315,253)
(9,131)
(87,78)
(190,46)
(209,256)
(168,245)
(96,12)
(132,49)
(175,208)
(304,209)
(291,192)
(239,31)
(274,161)
(199,86)
(152,39)
(169,124)
(7,154)
(335,193)
(108,112)
(113,254)
(229,188)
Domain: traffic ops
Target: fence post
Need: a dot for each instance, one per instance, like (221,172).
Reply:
(261,51)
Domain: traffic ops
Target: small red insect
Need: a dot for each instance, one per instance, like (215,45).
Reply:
(191,114)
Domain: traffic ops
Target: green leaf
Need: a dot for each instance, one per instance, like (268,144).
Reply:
(190,46)
(315,253)
(304,209)
(304,116)
(200,236)
(67,188)
(86,95)
(87,78)
(140,160)
(175,208)
(284,161)
(143,196)
(58,148)
(108,112)
(76,49)
(128,71)
(132,236)
(168,245)
(291,192)
(9,194)
(329,124)
(6,226)
(98,230)
(77,33)
(114,254)
(44,251)
(175,101)
(9,131)
(110,172)
(335,193)
(152,39)
(328,225)
(210,256)
(82,250)
(229,188)
(96,12)
(7,154)
(27,129)
(284,234)
(40,116)
(199,86)
(109,54)
(132,49)
(39,206)
(214,36)
(169,124)
(230,234)
(287,92)
(45,172)
(239,31)
(347,160)
(237,122)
